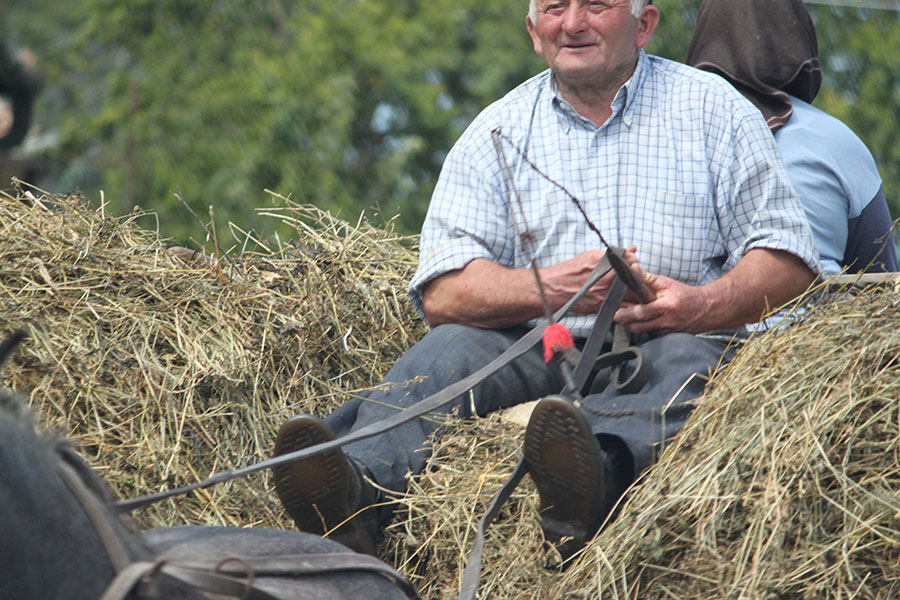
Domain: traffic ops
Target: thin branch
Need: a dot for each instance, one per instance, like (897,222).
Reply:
(210,235)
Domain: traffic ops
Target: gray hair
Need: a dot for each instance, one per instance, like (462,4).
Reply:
(636,6)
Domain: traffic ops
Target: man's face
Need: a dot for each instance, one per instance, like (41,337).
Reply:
(594,41)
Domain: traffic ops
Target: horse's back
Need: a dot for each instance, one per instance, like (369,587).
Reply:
(344,575)
(59,539)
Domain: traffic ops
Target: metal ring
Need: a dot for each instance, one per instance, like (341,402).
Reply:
(639,376)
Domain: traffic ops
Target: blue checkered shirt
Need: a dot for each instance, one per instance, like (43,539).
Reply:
(685,169)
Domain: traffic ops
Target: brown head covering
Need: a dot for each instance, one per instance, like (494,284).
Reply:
(763,47)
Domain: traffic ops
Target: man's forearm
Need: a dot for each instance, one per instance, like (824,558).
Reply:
(486,294)
(762,280)
(483,294)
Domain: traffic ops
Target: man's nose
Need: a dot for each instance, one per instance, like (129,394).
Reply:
(574,20)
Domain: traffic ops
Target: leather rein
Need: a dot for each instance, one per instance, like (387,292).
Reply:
(231,576)
(588,361)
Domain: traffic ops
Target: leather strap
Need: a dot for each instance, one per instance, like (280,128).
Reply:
(303,564)
(98,514)
(599,332)
(472,572)
(142,572)
(236,577)
(120,587)
(621,350)
(429,404)
(602,324)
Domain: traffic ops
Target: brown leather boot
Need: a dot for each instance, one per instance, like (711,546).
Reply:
(325,493)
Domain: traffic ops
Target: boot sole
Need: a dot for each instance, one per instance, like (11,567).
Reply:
(562,454)
(314,491)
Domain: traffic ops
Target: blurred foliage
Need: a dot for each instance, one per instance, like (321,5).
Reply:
(350,105)
(861,59)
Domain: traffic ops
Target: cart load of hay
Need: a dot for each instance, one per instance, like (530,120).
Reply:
(165,368)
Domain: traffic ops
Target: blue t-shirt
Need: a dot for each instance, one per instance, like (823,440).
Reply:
(838,183)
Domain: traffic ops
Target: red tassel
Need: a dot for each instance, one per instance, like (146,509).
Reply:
(557,338)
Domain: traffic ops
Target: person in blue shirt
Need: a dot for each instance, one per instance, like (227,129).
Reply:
(769,52)
(665,159)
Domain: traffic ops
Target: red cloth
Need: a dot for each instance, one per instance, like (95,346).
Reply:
(557,338)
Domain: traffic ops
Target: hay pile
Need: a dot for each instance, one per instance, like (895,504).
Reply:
(164,372)
(783,485)
(786,483)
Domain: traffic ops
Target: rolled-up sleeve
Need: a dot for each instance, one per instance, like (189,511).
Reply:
(467,217)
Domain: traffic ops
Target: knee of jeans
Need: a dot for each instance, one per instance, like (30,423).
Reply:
(680,347)
(455,337)
(672,339)
(436,342)
(448,331)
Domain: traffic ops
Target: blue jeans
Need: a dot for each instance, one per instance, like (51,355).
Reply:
(643,421)
(639,422)
(445,355)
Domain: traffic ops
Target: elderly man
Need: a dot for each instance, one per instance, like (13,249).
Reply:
(663,158)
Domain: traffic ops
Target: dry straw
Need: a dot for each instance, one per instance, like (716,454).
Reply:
(784,484)
(164,372)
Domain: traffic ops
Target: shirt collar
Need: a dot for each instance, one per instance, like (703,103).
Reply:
(623,103)
(629,92)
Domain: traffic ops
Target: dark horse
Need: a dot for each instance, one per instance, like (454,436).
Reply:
(59,539)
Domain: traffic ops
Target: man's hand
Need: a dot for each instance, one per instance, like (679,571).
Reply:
(678,307)
(485,294)
(762,280)
(563,281)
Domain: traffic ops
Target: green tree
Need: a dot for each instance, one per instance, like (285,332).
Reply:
(349,104)
(860,53)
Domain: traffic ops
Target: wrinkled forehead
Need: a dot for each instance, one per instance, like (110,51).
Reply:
(635,5)
(545,3)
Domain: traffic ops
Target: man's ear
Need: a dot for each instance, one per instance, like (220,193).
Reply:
(647,23)
(535,40)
